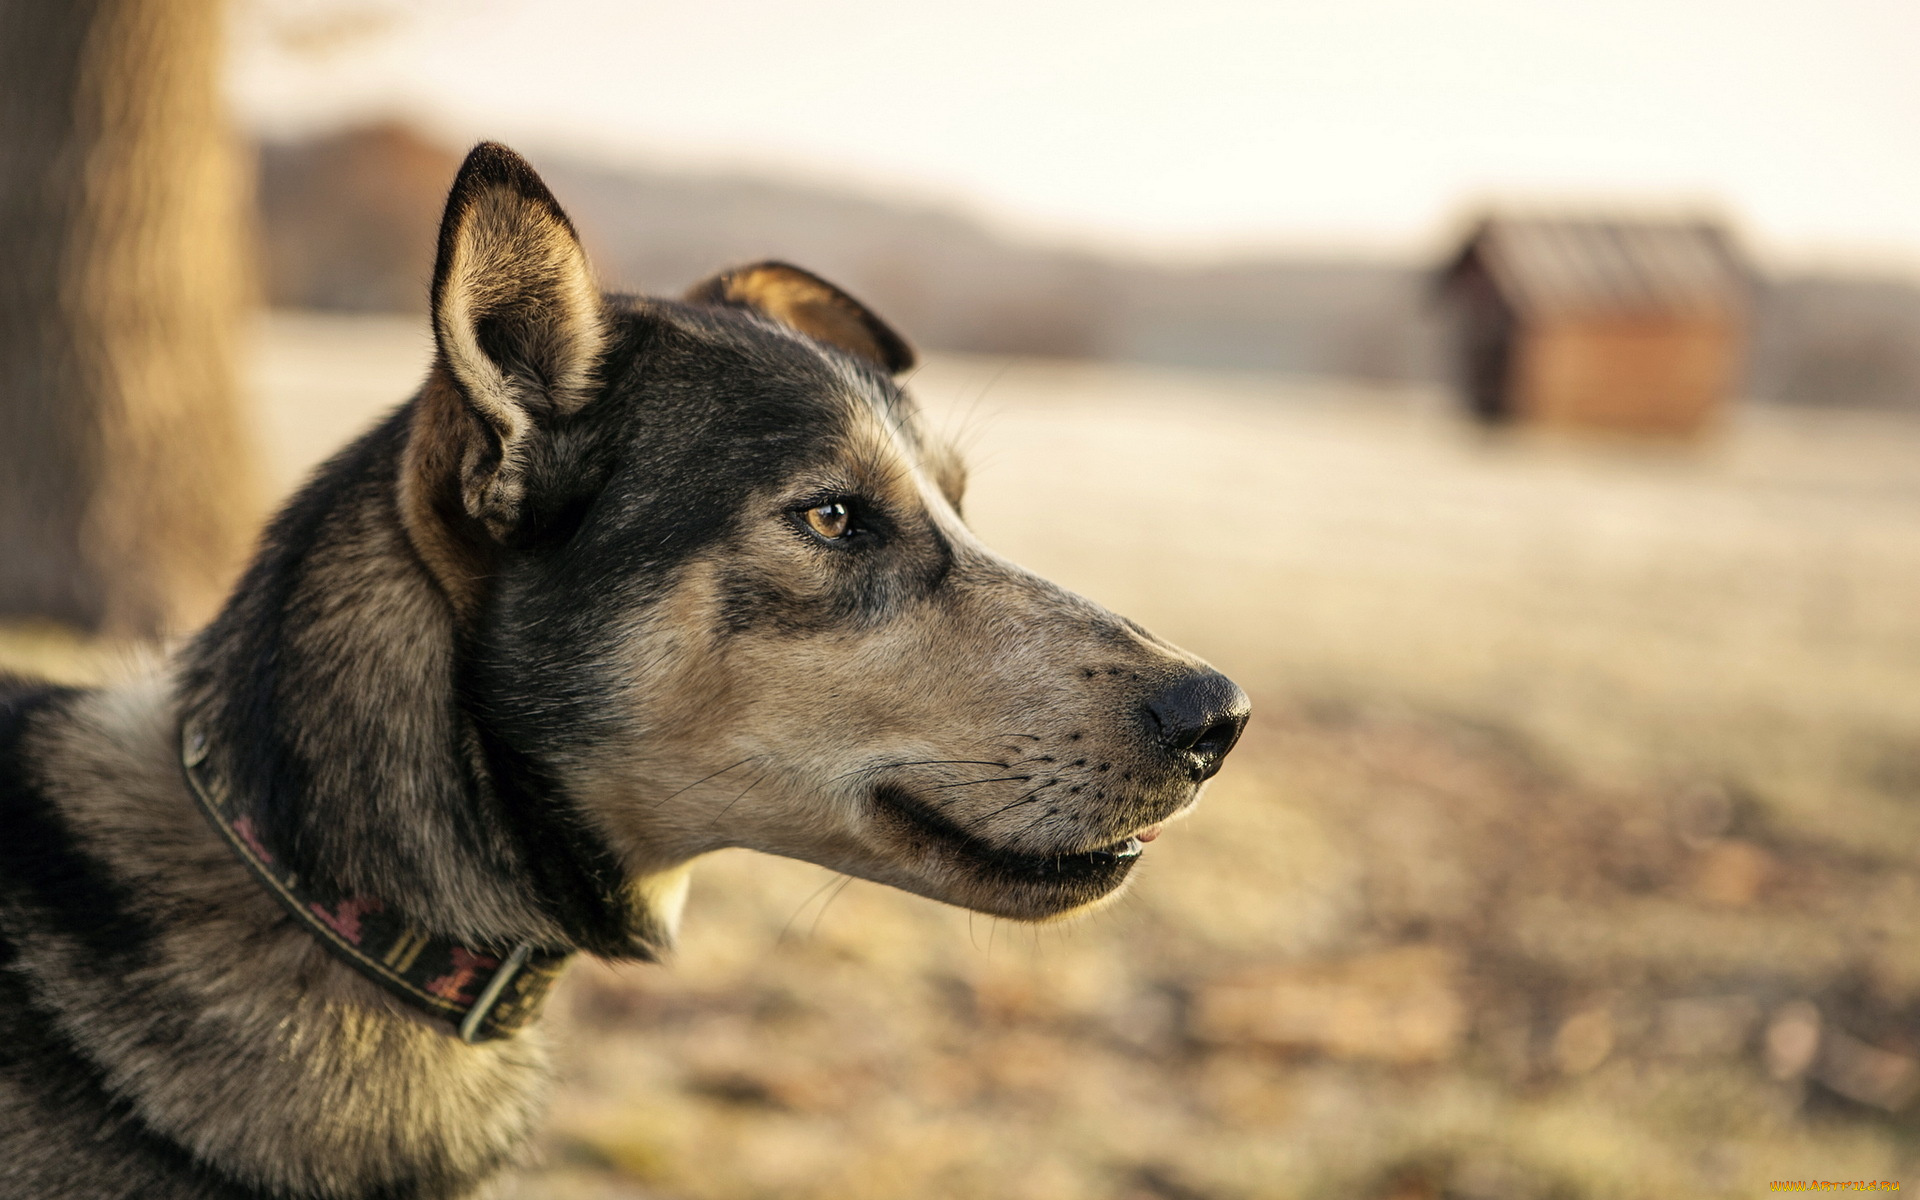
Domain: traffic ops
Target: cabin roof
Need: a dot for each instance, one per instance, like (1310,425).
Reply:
(1562,266)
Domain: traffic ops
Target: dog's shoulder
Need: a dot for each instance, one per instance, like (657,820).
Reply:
(63,1133)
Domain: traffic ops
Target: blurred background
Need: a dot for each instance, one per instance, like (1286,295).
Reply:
(1522,401)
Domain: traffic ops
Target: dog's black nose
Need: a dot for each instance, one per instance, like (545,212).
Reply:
(1199,718)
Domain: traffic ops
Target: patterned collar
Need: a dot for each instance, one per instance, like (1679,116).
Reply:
(480,995)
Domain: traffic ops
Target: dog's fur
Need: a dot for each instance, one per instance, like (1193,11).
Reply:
(557,627)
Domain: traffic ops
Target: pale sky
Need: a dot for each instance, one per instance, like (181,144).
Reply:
(1184,127)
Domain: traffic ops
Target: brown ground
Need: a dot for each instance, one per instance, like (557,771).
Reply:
(1574,850)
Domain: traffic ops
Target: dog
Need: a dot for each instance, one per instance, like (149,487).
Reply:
(625,582)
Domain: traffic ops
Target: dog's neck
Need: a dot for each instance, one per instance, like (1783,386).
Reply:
(481,995)
(234,1035)
(331,697)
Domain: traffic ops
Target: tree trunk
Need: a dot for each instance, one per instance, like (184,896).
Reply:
(125,490)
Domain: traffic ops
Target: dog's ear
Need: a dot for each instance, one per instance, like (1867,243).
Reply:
(517,321)
(808,303)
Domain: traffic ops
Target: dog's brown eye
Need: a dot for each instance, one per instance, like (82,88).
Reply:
(830,521)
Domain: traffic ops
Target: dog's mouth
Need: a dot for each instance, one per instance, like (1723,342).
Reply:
(1094,872)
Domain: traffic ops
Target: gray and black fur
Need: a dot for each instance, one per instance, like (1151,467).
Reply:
(625,582)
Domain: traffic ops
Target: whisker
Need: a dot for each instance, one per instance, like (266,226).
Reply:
(743,792)
(920,762)
(821,915)
(941,787)
(965,426)
(811,897)
(1029,798)
(717,774)
(1033,824)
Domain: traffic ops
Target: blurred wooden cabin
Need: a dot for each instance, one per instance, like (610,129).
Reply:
(1633,326)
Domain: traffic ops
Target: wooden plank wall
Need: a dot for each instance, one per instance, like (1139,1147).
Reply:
(1664,376)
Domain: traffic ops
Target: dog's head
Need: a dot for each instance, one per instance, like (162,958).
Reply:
(715,587)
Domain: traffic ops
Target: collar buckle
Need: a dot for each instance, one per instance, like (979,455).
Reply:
(472,1025)
(431,973)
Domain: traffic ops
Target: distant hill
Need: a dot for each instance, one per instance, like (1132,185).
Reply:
(943,279)
(348,221)
(1838,340)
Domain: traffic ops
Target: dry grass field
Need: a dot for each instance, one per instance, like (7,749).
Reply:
(1574,849)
